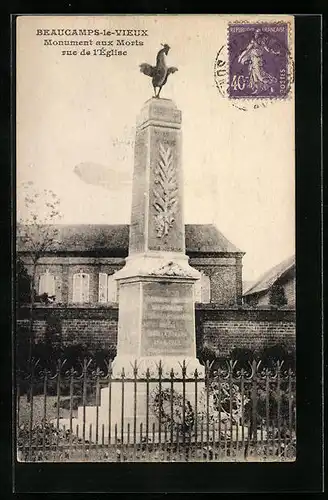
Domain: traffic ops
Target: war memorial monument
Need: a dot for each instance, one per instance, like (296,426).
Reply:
(156,326)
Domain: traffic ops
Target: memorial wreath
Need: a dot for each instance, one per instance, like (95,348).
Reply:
(168,405)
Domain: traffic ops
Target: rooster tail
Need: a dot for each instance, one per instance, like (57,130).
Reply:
(147,69)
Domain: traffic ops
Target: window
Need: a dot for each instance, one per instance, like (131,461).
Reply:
(102,297)
(108,288)
(112,289)
(47,284)
(81,287)
(203,289)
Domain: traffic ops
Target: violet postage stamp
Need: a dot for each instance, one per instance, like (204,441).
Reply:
(258,59)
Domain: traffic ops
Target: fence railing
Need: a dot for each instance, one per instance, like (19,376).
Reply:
(85,414)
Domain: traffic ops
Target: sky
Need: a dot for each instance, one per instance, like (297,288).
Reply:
(76,120)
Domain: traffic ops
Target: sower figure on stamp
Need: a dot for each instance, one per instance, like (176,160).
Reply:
(253,55)
(160,72)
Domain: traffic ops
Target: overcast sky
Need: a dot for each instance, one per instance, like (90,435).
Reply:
(76,125)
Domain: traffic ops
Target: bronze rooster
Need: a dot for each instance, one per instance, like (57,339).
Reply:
(160,72)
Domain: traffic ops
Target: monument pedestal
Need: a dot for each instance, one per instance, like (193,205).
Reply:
(157,322)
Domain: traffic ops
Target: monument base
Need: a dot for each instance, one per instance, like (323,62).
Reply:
(134,399)
(127,364)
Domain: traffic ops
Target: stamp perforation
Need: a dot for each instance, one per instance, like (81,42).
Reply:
(289,63)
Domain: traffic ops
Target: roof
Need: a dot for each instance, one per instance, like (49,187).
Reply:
(247,285)
(114,239)
(271,276)
(207,238)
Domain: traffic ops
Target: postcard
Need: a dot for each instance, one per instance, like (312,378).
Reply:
(155,264)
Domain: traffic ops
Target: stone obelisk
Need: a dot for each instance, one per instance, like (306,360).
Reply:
(156,299)
(156,285)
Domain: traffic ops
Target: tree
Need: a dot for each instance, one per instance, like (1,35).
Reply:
(277,295)
(37,234)
(23,283)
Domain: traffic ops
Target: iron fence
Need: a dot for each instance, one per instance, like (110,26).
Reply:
(86,414)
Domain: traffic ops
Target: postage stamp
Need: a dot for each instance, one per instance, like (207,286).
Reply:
(258,60)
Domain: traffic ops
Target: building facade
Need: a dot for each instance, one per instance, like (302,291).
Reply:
(82,265)
(78,278)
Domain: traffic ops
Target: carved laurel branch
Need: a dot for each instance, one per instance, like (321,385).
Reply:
(165,192)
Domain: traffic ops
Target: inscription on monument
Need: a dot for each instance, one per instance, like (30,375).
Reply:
(168,319)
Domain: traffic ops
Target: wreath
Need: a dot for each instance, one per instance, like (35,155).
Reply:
(167,405)
(225,405)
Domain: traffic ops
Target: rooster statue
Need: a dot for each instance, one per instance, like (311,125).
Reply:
(160,72)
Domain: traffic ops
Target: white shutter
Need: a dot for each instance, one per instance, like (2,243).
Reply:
(47,284)
(111,289)
(50,284)
(42,284)
(202,289)
(77,288)
(102,292)
(85,288)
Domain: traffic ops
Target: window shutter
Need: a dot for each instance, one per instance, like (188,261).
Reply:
(42,284)
(77,289)
(50,284)
(112,289)
(202,289)
(85,287)
(47,284)
(102,293)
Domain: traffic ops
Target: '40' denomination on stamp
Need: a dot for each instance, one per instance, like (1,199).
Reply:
(258,59)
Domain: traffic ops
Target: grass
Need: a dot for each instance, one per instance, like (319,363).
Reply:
(114,452)
(38,409)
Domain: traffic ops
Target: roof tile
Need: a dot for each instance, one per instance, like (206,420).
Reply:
(114,238)
(271,276)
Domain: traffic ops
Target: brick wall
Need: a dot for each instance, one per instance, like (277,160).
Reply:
(224,286)
(96,326)
(225,277)
(222,328)
(226,329)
